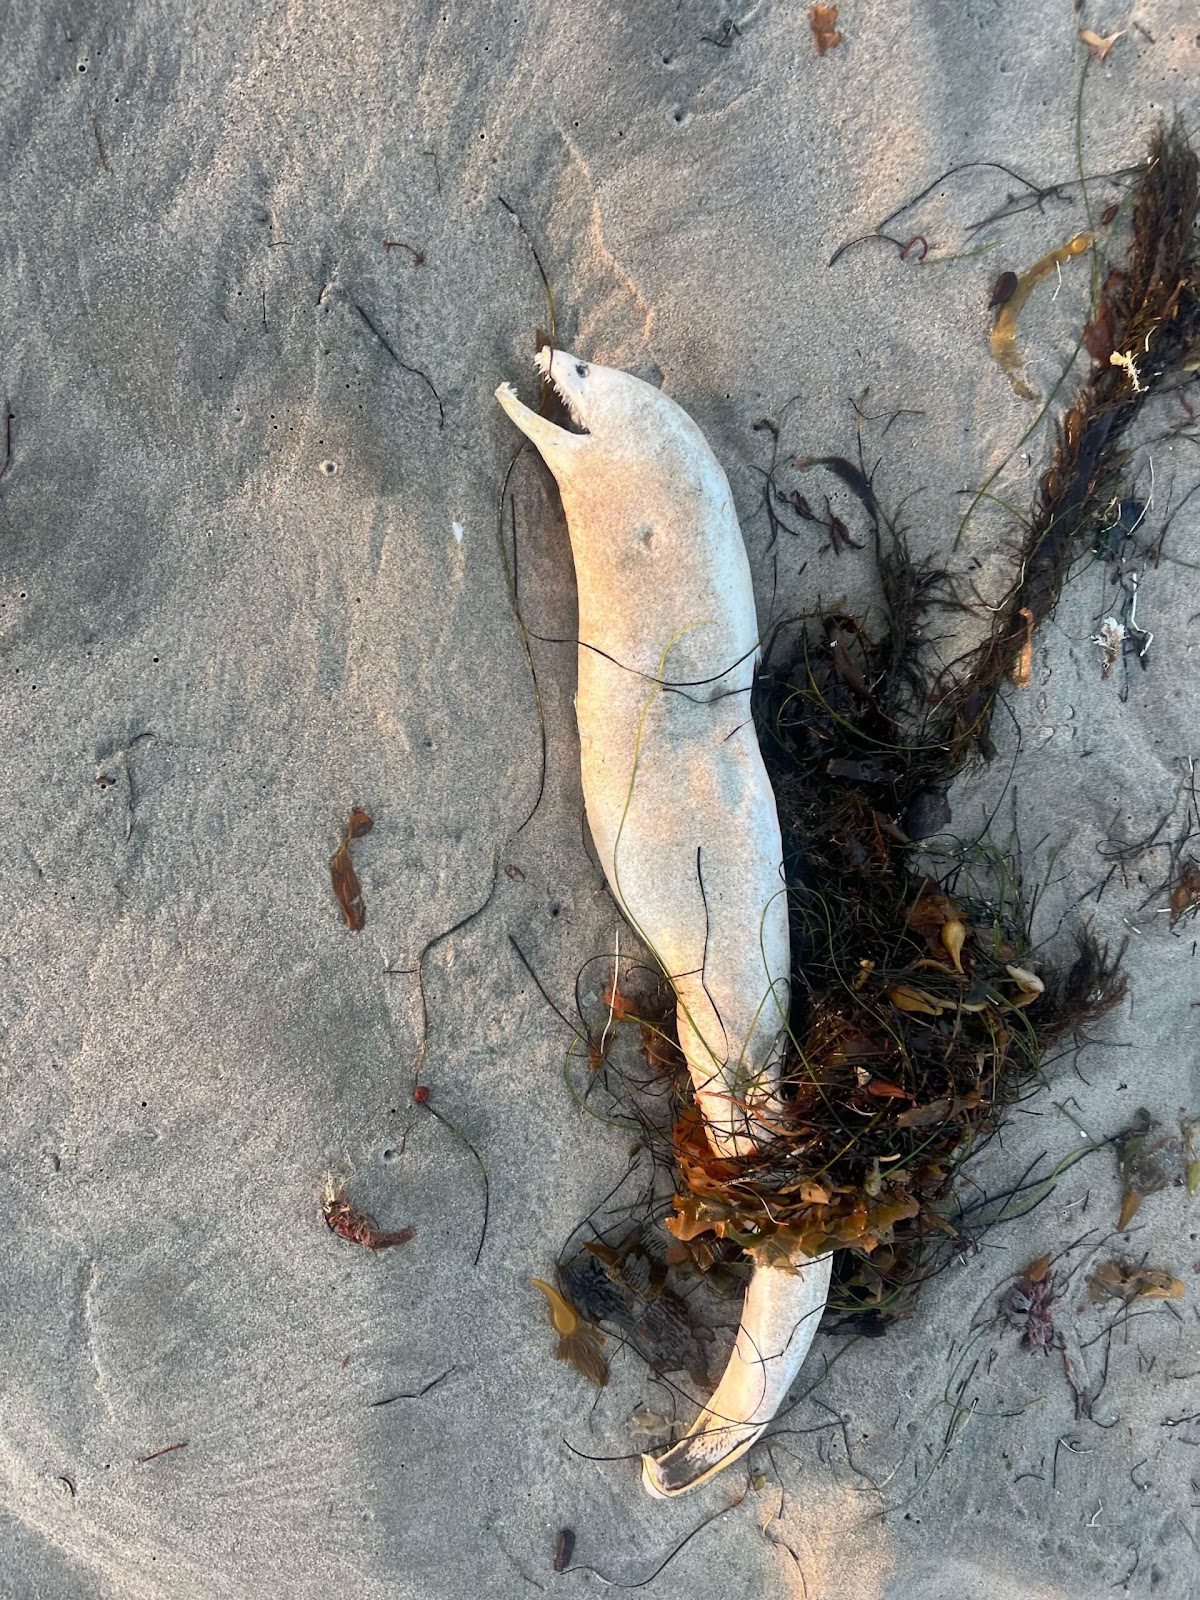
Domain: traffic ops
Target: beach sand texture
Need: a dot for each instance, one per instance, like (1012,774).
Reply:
(259,277)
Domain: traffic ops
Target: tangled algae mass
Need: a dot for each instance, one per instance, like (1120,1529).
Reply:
(919,1015)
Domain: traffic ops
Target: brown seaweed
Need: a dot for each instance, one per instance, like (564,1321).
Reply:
(1149,316)
(345,880)
(921,1013)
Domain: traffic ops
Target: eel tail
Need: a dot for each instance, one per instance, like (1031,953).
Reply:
(779,1319)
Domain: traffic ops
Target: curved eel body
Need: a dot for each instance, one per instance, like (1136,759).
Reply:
(680,806)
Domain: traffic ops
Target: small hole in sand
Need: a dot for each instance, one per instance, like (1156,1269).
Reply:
(329,468)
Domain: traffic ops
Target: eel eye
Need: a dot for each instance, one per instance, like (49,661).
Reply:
(581,369)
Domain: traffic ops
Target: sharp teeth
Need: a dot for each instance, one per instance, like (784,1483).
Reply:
(544,362)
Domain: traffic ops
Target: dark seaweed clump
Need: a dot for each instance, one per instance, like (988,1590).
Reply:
(919,1016)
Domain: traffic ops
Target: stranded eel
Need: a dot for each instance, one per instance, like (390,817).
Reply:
(680,806)
(1004,329)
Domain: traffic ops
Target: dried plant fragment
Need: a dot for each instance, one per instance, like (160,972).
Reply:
(578,1342)
(823,22)
(1185,894)
(1110,641)
(345,880)
(954,936)
(1148,1160)
(1022,669)
(1004,330)
(906,998)
(564,1549)
(1099,335)
(1029,985)
(1191,1153)
(1098,47)
(1150,306)
(621,1006)
(1003,290)
(1118,1280)
(1029,1305)
(357,1227)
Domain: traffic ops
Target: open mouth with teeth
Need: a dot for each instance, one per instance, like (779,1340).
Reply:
(562,375)
(558,426)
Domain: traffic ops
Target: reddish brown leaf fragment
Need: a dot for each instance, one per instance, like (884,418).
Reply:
(355,1226)
(847,669)
(1185,895)
(939,1111)
(1003,289)
(1099,335)
(619,1004)
(839,535)
(885,1089)
(823,22)
(345,880)
(564,1550)
(360,822)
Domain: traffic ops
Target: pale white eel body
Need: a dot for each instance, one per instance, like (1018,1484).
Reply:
(680,806)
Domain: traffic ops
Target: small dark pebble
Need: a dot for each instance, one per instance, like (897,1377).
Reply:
(564,1550)
(1003,289)
(928,813)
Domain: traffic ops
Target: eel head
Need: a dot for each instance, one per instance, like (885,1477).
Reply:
(614,412)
